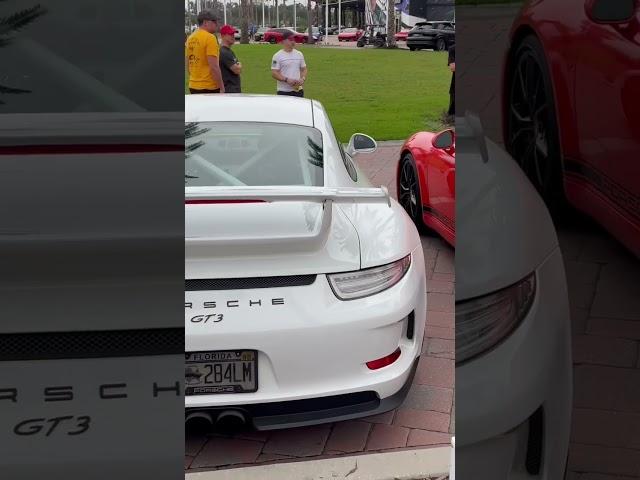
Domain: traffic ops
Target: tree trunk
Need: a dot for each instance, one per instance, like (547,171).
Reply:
(391,24)
(244,21)
(310,26)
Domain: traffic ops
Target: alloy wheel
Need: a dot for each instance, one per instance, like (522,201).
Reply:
(529,120)
(408,192)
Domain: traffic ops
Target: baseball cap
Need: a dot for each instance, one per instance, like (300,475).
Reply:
(227,30)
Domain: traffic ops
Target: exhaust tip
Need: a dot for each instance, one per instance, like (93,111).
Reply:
(198,422)
(230,421)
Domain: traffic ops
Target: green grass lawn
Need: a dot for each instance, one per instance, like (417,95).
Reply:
(388,94)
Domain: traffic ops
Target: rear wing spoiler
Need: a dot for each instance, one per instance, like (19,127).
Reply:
(287,194)
(324,195)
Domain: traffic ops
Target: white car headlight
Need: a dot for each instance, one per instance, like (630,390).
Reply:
(483,322)
(363,283)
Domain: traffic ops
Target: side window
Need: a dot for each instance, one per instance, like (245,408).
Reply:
(348,163)
(346,159)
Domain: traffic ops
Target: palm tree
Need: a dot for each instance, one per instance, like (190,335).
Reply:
(391,24)
(244,21)
(309,24)
(10,25)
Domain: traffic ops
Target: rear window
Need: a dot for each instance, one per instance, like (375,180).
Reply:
(252,154)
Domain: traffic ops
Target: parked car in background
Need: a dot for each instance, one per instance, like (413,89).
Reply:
(311,255)
(274,35)
(350,35)
(426,181)
(401,36)
(571,108)
(514,372)
(433,35)
(260,33)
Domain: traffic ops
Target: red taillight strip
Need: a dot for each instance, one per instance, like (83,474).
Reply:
(88,148)
(214,202)
(384,361)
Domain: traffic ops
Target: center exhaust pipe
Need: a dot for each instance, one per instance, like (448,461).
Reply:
(231,420)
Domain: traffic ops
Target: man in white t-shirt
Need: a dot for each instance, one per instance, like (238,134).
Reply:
(288,68)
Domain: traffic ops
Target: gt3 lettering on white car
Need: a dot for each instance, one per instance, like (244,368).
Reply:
(305,290)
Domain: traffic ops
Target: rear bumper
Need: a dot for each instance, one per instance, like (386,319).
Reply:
(312,345)
(313,411)
(421,42)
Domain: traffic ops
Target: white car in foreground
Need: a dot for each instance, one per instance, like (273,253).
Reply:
(305,287)
(513,347)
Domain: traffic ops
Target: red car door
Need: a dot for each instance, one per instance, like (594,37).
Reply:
(441,184)
(607,99)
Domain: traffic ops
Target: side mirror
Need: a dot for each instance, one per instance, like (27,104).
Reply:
(611,11)
(361,143)
(444,139)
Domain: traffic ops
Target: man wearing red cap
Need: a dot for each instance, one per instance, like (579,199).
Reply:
(229,64)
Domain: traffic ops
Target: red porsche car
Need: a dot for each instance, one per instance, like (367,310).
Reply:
(350,35)
(401,36)
(274,35)
(571,104)
(426,181)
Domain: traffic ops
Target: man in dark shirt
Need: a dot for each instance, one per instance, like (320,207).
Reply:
(229,64)
(452,88)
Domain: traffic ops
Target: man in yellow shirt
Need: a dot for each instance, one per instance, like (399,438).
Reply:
(201,54)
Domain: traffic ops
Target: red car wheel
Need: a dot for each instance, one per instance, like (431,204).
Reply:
(532,131)
(409,189)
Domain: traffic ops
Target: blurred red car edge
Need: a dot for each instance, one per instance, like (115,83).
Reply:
(426,181)
(274,36)
(583,137)
(350,36)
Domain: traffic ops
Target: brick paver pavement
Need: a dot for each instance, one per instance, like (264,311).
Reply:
(603,279)
(425,418)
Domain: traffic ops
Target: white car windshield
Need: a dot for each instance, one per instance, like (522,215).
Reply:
(252,154)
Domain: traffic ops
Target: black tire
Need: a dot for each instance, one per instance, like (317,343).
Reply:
(360,43)
(441,45)
(531,133)
(412,48)
(409,189)
(272,40)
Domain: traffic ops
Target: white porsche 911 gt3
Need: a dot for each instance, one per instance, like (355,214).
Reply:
(305,292)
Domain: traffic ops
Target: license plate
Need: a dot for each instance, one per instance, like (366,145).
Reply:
(221,371)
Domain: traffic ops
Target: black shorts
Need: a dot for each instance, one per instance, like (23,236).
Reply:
(194,91)
(292,94)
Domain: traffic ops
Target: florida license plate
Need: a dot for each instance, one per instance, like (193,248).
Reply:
(221,371)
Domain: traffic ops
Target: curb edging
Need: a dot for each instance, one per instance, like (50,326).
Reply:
(396,465)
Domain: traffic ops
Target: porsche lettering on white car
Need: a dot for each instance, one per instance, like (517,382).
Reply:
(305,289)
